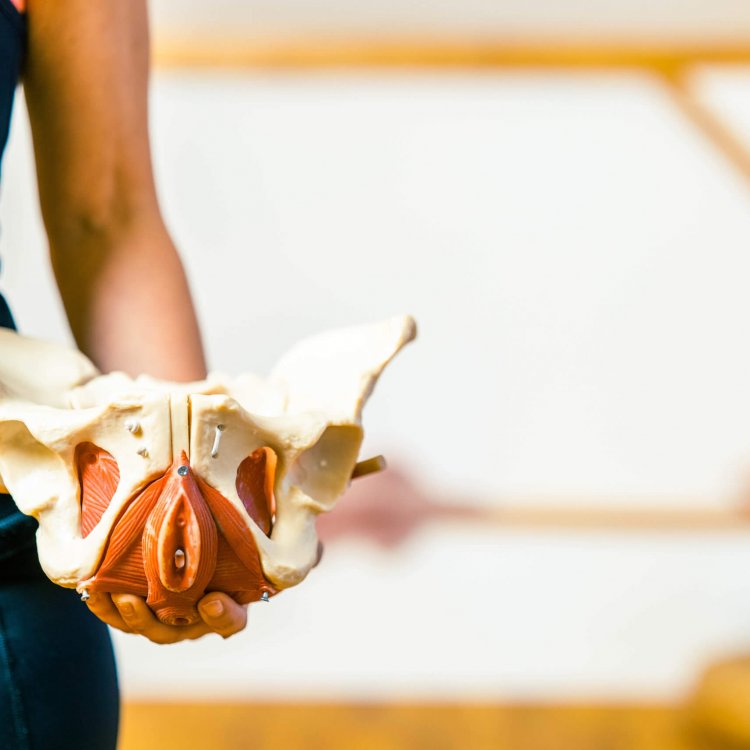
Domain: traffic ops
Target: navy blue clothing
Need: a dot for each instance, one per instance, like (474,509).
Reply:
(16,530)
(58,680)
(58,683)
(6,319)
(12,54)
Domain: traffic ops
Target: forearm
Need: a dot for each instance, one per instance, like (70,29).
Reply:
(121,280)
(128,302)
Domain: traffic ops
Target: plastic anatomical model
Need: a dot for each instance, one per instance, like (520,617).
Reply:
(172,490)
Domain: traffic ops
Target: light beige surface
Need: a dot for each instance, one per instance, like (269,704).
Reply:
(697,19)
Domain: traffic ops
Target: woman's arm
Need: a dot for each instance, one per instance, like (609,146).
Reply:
(121,281)
(120,278)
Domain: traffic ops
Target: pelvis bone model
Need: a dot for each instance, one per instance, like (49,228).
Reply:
(170,490)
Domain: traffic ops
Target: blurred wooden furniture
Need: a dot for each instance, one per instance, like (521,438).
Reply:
(250,726)
(720,706)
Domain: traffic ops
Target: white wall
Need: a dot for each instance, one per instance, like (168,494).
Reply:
(576,256)
(574,252)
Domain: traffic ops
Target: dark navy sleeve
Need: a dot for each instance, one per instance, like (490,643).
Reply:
(12,53)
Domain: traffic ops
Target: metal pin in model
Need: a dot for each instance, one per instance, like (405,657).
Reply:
(217,440)
(143,451)
(264,597)
(85,596)
(133,426)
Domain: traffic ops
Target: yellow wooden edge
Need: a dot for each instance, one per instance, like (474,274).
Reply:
(669,59)
(231,726)
(618,518)
(355,52)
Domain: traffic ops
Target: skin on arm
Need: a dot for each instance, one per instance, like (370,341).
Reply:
(121,280)
(119,275)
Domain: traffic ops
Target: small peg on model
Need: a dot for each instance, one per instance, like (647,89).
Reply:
(217,440)
(368,466)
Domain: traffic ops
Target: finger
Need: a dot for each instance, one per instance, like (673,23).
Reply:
(102,606)
(135,612)
(140,619)
(222,614)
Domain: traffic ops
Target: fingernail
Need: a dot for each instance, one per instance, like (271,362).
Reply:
(214,608)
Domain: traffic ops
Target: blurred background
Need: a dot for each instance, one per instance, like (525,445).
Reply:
(560,194)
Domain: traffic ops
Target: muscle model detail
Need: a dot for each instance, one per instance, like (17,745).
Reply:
(170,491)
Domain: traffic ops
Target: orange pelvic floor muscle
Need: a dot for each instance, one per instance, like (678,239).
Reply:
(179,538)
(99,476)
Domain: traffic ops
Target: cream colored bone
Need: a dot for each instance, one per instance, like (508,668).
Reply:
(309,411)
